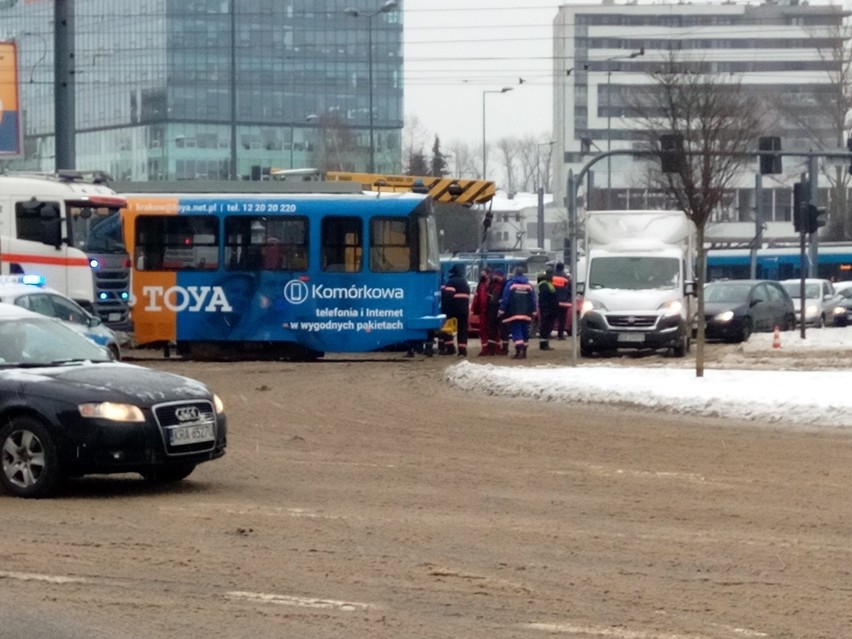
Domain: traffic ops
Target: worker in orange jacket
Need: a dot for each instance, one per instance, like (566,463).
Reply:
(562,282)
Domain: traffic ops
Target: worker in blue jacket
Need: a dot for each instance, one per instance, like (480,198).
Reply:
(517,308)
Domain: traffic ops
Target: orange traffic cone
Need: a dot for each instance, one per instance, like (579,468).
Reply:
(776,338)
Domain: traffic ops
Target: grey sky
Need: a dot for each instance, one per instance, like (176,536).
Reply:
(456,49)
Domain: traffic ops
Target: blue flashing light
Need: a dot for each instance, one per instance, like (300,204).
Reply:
(94,263)
(125,295)
(31,278)
(102,296)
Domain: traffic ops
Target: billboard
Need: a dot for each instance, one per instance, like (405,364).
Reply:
(10,108)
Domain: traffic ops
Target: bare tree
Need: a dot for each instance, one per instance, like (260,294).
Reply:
(507,149)
(463,160)
(414,143)
(718,124)
(822,118)
(528,167)
(335,148)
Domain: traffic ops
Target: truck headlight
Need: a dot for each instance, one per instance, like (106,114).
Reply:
(589,305)
(671,308)
(725,316)
(811,310)
(112,411)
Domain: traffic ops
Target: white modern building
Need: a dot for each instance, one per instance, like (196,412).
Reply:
(785,51)
(516,222)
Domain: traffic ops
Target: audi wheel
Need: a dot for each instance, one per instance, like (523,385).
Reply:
(29,457)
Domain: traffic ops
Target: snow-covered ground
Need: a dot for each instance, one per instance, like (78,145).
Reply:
(819,397)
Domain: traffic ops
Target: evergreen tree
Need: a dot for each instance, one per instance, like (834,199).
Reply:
(417,164)
(439,162)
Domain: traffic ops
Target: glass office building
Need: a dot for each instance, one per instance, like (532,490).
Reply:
(209,89)
(788,53)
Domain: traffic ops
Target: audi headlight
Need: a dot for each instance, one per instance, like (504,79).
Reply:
(672,307)
(112,411)
(218,404)
(725,316)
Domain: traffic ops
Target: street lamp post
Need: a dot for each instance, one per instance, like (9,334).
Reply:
(635,54)
(484,152)
(388,6)
(540,192)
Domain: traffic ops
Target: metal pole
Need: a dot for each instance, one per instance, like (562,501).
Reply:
(813,181)
(758,224)
(608,134)
(572,229)
(233,90)
(802,302)
(64,85)
(484,155)
(370,73)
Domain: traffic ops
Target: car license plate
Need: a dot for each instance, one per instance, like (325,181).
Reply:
(632,338)
(191,434)
(114,317)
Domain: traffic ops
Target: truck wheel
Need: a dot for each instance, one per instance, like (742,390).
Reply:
(681,348)
(29,457)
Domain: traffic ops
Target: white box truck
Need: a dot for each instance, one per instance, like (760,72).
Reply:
(637,281)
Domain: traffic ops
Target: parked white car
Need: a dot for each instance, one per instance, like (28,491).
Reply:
(27,291)
(822,303)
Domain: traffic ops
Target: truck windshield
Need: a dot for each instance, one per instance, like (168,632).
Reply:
(634,272)
(97,230)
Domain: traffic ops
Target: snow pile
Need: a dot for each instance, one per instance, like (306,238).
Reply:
(810,398)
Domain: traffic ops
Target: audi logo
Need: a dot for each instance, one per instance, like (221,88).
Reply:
(188,414)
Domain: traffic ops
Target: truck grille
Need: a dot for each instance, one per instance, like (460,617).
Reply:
(631,321)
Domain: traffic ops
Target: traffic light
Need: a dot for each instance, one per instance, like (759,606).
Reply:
(849,146)
(801,201)
(770,163)
(816,218)
(671,152)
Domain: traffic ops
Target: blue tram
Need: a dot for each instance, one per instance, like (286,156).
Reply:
(295,275)
(834,263)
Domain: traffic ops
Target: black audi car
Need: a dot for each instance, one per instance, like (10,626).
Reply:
(68,409)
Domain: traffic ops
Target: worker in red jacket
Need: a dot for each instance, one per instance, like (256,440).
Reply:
(479,307)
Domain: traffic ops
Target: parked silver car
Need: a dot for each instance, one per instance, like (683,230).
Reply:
(822,304)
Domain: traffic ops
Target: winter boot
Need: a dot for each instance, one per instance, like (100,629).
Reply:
(487,350)
(518,352)
(504,350)
(523,352)
(449,349)
(544,345)
(462,351)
